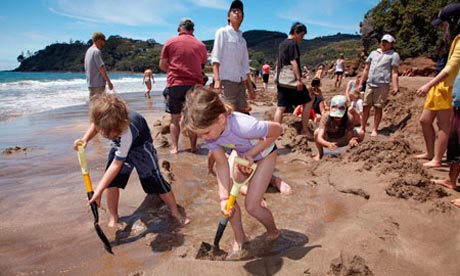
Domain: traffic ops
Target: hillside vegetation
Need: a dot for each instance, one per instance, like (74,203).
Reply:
(408,20)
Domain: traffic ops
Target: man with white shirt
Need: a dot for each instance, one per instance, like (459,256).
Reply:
(230,61)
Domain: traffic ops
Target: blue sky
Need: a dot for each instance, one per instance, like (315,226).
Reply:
(31,25)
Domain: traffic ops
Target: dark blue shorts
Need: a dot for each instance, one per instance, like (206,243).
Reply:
(144,159)
(176,98)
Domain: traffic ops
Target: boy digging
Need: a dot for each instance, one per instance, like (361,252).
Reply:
(131,147)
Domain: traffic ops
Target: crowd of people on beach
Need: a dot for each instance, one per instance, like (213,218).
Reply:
(220,113)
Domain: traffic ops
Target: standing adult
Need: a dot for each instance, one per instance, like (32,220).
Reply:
(438,92)
(183,57)
(289,54)
(339,65)
(96,75)
(148,81)
(230,61)
(381,69)
(265,74)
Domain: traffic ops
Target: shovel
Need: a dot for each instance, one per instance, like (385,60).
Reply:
(205,247)
(90,192)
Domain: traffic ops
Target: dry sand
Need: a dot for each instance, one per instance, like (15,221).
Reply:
(369,211)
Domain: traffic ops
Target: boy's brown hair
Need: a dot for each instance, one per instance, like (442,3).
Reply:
(109,113)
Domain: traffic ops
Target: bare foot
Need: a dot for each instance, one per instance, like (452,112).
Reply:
(455,202)
(183,220)
(445,183)
(317,157)
(282,186)
(374,133)
(309,135)
(432,164)
(113,223)
(273,236)
(423,156)
(173,151)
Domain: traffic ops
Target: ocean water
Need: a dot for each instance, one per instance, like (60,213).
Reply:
(28,93)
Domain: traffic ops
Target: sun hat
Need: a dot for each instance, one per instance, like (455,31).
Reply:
(237,4)
(389,38)
(338,106)
(449,11)
(186,23)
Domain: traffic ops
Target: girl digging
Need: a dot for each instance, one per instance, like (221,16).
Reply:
(207,116)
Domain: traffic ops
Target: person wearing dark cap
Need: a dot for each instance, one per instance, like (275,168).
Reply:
(449,77)
(381,70)
(230,61)
(439,100)
(183,57)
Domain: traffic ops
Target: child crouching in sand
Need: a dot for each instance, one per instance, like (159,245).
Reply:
(207,116)
(131,147)
(336,128)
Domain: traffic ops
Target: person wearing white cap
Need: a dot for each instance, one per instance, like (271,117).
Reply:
(336,128)
(381,70)
(183,57)
(440,96)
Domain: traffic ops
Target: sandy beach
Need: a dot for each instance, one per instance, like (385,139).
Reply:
(369,211)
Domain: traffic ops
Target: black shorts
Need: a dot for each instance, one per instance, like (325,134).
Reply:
(176,98)
(291,98)
(265,77)
(339,73)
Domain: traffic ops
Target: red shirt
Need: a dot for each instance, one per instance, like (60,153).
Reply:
(185,55)
(266,69)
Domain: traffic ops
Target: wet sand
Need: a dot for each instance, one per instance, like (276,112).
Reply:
(370,211)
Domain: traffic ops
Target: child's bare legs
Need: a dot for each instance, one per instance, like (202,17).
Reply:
(237,227)
(365,117)
(451,181)
(443,122)
(258,186)
(426,121)
(170,201)
(319,147)
(113,195)
(378,111)
(276,182)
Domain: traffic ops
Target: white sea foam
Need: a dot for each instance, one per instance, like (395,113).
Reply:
(28,93)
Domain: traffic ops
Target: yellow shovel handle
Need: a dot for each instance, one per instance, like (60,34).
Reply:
(84,168)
